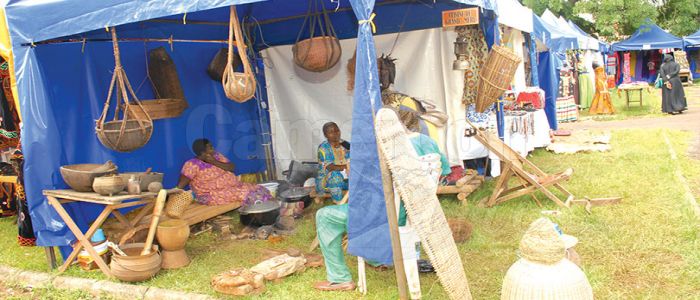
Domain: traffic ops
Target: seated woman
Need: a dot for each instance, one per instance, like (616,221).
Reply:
(333,156)
(210,175)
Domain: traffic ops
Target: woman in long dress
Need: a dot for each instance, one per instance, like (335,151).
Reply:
(602,103)
(672,94)
(210,175)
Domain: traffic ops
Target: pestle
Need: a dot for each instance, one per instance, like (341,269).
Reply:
(157,210)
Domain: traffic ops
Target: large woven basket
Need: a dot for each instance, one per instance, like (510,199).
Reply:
(134,136)
(159,109)
(317,54)
(495,76)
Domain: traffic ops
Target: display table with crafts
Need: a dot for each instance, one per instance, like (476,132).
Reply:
(57,198)
(631,87)
(523,131)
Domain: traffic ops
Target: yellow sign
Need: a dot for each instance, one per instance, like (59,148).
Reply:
(460,17)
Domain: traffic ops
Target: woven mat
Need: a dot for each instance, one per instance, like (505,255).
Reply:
(417,190)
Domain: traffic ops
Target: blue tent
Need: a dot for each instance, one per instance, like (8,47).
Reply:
(647,37)
(692,40)
(62,87)
(550,62)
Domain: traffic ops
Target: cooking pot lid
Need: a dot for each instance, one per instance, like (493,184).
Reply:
(295,192)
(260,207)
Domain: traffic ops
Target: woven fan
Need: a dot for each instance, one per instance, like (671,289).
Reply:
(417,190)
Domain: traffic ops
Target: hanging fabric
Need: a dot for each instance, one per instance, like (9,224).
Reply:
(239,87)
(123,135)
(317,53)
(478,51)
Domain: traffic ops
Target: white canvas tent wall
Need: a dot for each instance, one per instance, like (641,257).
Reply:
(299,105)
(519,19)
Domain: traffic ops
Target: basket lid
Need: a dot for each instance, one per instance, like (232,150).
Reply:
(542,243)
(295,193)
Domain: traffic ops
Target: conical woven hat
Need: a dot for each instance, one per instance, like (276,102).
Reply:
(542,243)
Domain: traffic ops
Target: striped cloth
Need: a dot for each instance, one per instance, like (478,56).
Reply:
(566,109)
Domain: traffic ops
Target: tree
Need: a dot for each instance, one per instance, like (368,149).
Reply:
(617,18)
(681,17)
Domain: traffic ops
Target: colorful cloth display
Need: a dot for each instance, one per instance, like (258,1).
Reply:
(602,103)
(531,95)
(477,54)
(25,234)
(566,109)
(626,72)
(585,87)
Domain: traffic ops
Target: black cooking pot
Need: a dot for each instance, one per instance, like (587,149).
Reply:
(297,194)
(260,213)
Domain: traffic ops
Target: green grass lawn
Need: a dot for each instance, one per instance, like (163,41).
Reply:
(645,248)
(651,107)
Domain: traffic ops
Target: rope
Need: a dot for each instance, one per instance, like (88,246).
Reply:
(239,87)
(370,21)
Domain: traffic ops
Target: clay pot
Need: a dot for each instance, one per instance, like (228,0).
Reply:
(108,185)
(172,236)
(317,54)
(135,267)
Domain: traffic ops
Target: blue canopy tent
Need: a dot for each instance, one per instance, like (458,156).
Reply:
(692,40)
(553,43)
(648,37)
(62,84)
(692,44)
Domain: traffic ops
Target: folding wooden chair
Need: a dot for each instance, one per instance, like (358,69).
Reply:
(514,166)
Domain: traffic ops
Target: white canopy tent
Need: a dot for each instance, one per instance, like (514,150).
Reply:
(519,19)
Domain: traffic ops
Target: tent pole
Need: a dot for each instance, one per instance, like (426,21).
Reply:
(392,219)
(75,40)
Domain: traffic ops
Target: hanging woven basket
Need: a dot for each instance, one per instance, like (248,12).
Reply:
(123,135)
(317,53)
(495,76)
(239,87)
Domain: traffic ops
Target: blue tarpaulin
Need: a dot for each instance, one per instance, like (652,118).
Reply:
(647,37)
(62,88)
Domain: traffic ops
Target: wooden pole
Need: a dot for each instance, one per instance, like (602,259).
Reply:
(401,280)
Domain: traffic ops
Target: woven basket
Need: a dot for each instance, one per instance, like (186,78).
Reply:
(527,280)
(495,76)
(134,136)
(159,109)
(461,229)
(177,203)
(239,87)
(317,54)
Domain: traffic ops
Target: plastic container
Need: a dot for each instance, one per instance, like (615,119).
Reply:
(410,248)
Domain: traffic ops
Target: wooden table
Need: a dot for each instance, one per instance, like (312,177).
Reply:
(627,94)
(57,198)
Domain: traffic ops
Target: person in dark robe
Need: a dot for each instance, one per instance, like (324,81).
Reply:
(672,95)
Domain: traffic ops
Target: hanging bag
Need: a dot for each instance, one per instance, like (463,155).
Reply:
(239,87)
(123,135)
(317,53)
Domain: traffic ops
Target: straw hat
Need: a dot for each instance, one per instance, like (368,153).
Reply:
(530,280)
(542,243)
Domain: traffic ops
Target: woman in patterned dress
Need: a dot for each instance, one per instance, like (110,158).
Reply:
(211,177)
(333,162)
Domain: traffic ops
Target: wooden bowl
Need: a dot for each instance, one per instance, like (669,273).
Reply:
(135,267)
(108,185)
(80,177)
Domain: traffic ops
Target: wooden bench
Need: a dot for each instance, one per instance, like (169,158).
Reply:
(196,213)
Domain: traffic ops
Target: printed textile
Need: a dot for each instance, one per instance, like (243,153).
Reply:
(477,53)
(626,72)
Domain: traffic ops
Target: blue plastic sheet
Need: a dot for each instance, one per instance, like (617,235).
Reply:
(62,131)
(692,40)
